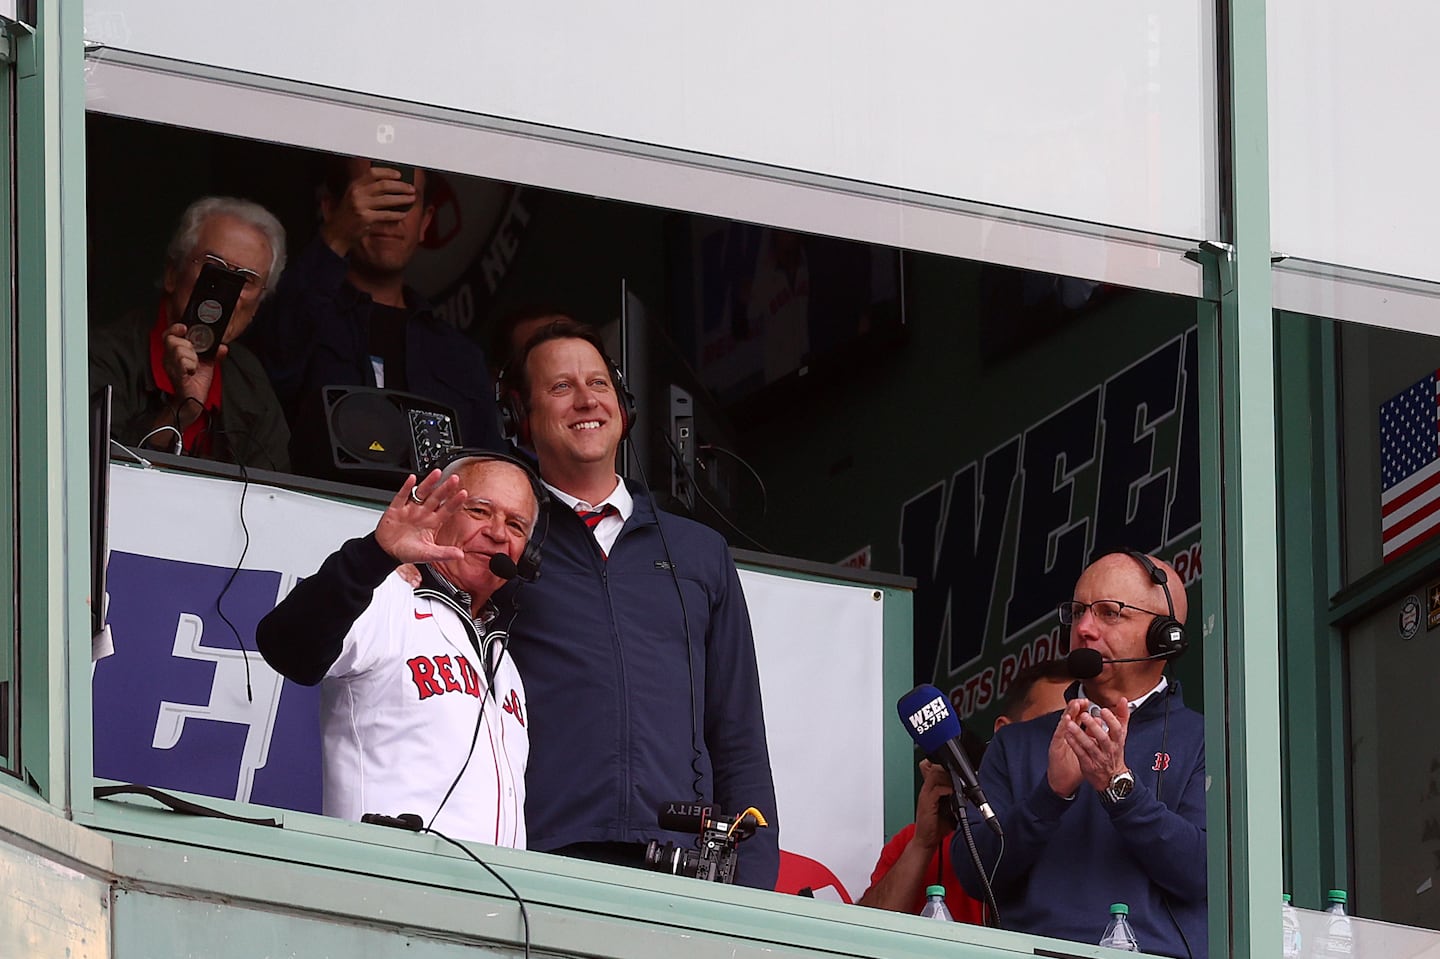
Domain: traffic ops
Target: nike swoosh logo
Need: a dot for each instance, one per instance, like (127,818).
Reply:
(420,615)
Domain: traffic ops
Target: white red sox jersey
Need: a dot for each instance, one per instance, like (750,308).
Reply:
(399,709)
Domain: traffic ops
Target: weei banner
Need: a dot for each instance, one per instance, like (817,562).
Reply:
(182,705)
(996,547)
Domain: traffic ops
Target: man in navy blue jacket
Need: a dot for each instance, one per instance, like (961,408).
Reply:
(635,643)
(1106,808)
(343,316)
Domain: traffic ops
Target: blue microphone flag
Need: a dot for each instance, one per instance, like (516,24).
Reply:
(929,717)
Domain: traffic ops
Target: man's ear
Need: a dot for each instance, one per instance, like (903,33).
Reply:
(425,218)
(1001,720)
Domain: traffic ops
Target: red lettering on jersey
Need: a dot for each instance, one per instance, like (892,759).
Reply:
(1162,761)
(469,676)
(442,664)
(512,706)
(424,676)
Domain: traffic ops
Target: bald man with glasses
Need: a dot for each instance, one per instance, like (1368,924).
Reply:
(1107,804)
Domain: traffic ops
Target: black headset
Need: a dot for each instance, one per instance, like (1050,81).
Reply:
(515,416)
(1166,635)
(528,568)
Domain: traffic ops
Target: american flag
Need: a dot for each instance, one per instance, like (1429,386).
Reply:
(1410,467)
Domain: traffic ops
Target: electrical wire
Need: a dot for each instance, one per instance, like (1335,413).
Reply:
(519,901)
(986,881)
(160,429)
(244,652)
(764,493)
(689,645)
(694,485)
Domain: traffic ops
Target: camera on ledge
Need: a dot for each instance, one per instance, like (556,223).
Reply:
(716,857)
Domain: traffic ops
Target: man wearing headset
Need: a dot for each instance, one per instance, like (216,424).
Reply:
(422,708)
(636,643)
(1105,807)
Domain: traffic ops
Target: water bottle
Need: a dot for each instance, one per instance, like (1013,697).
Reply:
(1290,927)
(1337,943)
(1119,935)
(935,904)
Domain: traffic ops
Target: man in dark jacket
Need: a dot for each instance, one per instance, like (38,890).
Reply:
(635,644)
(164,395)
(343,315)
(1106,806)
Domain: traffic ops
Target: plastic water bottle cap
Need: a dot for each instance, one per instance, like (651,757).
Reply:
(1119,909)
(934,891)
(1337,895)
(1286,897)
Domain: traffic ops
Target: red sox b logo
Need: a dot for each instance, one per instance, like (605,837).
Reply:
(1162,761)
(512,706)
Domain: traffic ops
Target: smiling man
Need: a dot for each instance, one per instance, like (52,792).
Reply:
(165,396)
(1107,807)
(637,645)
(344,317)
(411,675)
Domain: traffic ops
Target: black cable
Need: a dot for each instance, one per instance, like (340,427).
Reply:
(244,653)
(764,493)
(675,455)
(985,880)
(176,804)
(487,694)
(524,916)
(490,670)
(689,652)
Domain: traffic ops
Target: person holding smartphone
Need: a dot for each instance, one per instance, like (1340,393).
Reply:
(181,383)
(343,315)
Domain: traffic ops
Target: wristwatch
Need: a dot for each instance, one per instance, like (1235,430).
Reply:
(1120,787)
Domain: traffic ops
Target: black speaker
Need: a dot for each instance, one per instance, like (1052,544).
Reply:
(1166,635)
(383,434)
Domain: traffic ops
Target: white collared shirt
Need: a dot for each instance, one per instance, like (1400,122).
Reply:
(1136,703)
(608,529)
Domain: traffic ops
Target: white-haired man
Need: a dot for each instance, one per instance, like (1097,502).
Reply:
(165,395)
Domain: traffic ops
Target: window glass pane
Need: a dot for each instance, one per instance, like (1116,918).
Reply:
(985,430)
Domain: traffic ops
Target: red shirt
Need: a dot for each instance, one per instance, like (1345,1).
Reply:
(197,437)
(957,900)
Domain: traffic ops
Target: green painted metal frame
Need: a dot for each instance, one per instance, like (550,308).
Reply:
(1240,525)
(10,655)
(1316,840)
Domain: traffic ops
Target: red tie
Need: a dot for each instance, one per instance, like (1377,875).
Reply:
(592,518)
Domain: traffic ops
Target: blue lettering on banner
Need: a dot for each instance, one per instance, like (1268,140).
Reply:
(170,706)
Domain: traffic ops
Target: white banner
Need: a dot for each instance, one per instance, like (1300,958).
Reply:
(172,710)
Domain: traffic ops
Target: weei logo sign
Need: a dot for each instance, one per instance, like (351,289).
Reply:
(926,718)
(998,546)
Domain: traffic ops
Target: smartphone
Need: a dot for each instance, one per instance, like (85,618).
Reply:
(407,175)
(212,303)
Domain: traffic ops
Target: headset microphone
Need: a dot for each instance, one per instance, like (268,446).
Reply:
(931,722)
(1087,663)
(503,566)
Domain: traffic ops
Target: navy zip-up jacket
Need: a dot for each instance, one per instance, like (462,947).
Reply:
(1066,861)
(601,645)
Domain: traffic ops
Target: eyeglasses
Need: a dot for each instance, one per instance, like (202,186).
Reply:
(1107,611)
(254,282)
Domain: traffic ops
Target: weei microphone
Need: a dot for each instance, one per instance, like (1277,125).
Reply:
(1086,663)
(932,723)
